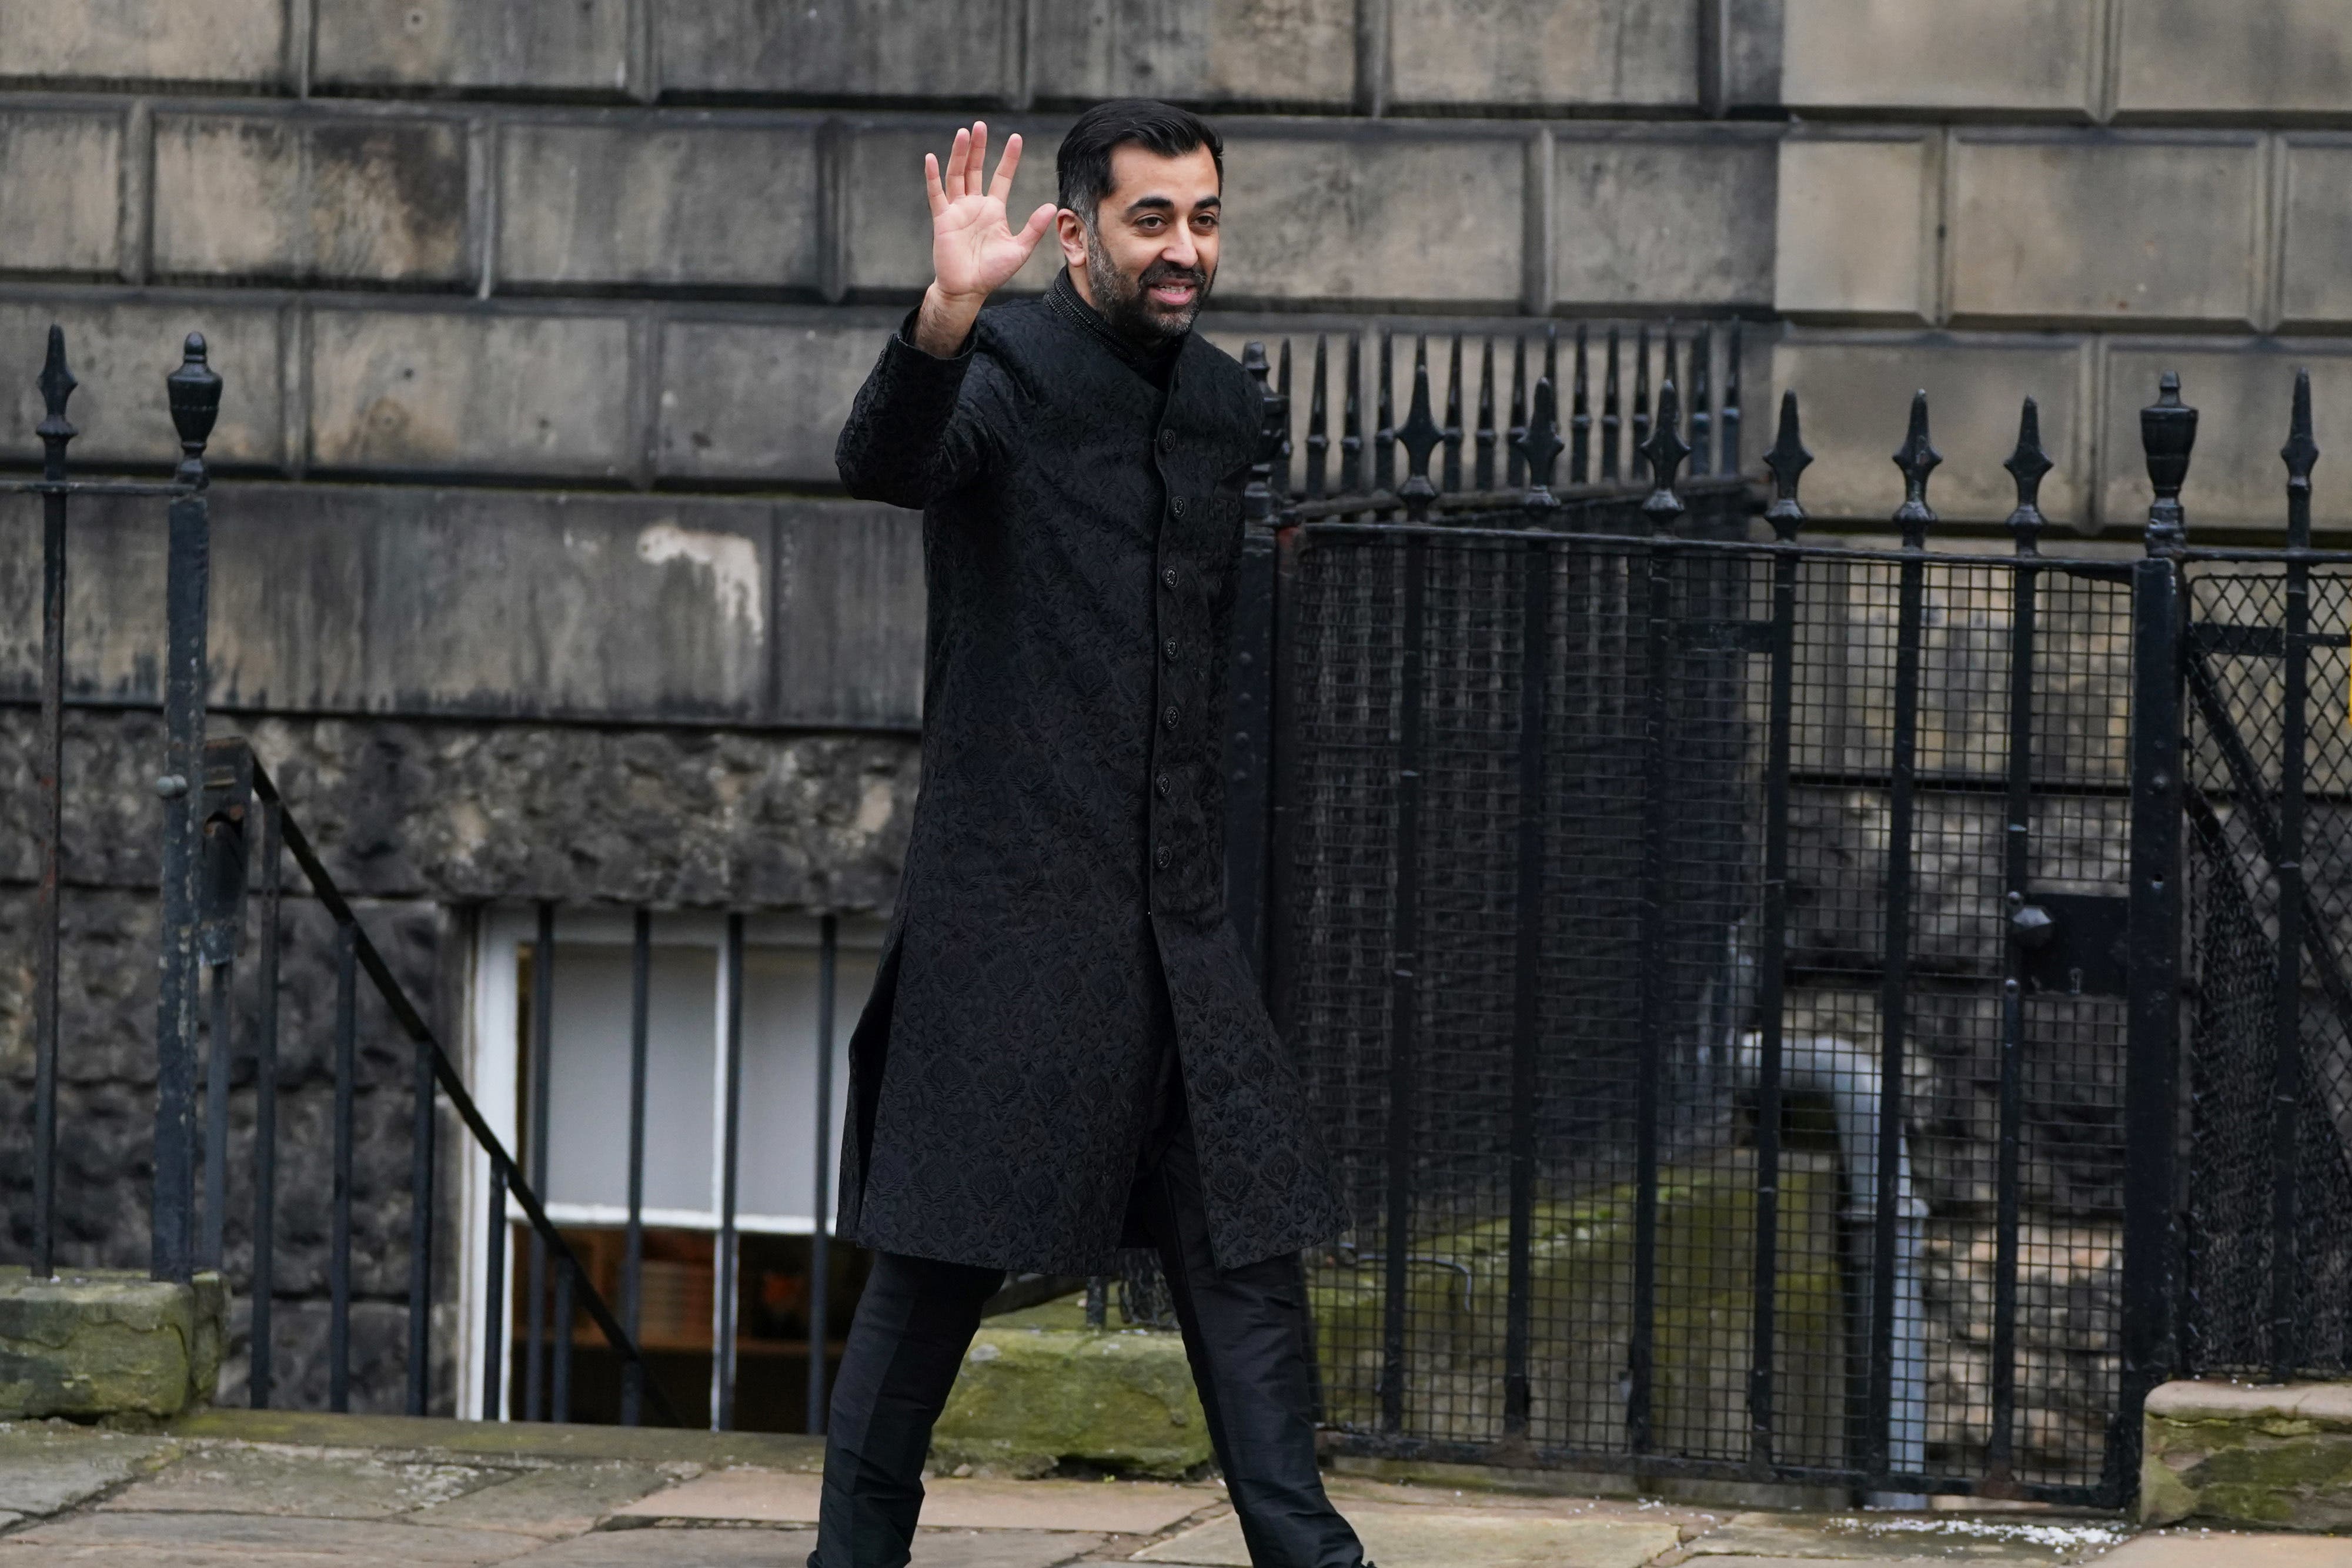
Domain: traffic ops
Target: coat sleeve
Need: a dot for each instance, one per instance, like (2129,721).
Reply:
(921,426)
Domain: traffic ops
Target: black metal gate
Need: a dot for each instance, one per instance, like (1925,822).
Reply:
(1741,981)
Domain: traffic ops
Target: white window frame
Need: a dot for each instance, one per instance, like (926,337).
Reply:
(492,1063)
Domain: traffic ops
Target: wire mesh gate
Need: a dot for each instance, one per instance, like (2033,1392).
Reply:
(1642,896)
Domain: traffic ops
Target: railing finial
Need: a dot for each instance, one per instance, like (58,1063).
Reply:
(1664,453)
(2300,454)
(1917,458)
(1539,447)
(1420,437)
(196,392)
(2027,464)
(2168,432)
(57,383)
(1257,494)
(1788,460)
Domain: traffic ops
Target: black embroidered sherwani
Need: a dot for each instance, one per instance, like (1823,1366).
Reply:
(1063,895)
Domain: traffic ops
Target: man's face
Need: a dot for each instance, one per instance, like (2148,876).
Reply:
(1152,253)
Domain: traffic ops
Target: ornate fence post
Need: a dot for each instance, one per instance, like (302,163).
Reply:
(195,393)
(57,383)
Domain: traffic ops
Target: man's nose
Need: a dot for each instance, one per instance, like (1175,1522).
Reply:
(1180,250)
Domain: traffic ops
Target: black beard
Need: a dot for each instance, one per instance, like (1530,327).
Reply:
(1125,303)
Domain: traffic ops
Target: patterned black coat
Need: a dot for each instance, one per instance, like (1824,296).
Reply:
(1063,894)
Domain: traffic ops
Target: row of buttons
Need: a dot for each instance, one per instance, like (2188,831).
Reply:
(1162,857)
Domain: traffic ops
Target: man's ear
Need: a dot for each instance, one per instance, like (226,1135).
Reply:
(1072,232)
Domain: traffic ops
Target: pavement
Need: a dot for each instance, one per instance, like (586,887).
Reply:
(238,1489)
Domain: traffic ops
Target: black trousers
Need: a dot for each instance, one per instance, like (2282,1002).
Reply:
(1244,1334)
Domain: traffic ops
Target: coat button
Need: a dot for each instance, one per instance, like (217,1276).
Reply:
(1167,441)
(1161,857)
(1161,784)
(1167,718)
(1177,505)
(1169,648)
(1167,578)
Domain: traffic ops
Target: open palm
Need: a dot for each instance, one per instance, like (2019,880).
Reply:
(974,248)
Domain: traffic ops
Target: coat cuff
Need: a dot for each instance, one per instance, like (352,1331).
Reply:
(915,391)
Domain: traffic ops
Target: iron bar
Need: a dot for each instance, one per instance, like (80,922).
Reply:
(1580,418)
(2300,453)
(57,383)
(421,1158)
(1318,428)
(498,1325)
(220,1044)
(1404,989)
(633,1241)
(1351,437)
(828,969)
(1420,437)
(1641,464)
(1610,420)
(1702,417)
(1727,434)
(339,1245)
(1788,460)
(722,1356)
(1527,1023)
(1515,473)
(264,1112)
(1384,435)
(1282,449)
(1450,477)
(1483,473)
(537,1131)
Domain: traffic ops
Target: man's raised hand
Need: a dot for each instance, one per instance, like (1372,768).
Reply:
(974,249)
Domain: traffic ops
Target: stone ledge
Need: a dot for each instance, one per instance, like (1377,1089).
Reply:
(2276,1457)
(108,1342)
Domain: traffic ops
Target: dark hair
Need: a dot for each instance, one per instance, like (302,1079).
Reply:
(1082,168)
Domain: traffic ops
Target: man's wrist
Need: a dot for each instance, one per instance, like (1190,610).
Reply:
(945,320)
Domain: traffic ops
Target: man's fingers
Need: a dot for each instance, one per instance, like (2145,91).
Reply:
(975,168)
(1035,229)
(1002,186)
(957,157)
(939,198)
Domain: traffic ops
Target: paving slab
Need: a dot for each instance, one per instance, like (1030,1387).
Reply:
(2223,1549)
(44,1469)
(226,1540)
(1922,1538)
(442,1436)
(555,1503)
(1438,1538)
(676,1548)
(997,1548)
(781,1496)
(312,1483)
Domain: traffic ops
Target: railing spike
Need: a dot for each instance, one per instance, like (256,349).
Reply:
(1352,433)
(1917,459)
(2027,464)
(1318,422)
(1665,452)
(2300,454)
(1539,447)
(1702,418)
(57,383)
(1728,430)
(1610,422)
(1641,465)
(1515,466)
(1788,460)
(1384,436)
(2168,434)
(1257,494)
(1580,419)
(1452,481)
(1485,476)
(1420,437)
(1282,450)
(196,395)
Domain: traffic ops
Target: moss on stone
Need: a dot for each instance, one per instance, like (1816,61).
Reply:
(1039,1387)
(2273,1471)
(108,1342)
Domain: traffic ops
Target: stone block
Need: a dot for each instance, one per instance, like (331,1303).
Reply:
(1753,53)
(2318,231)
(1253,51)
(1857,226)
(764,401)
(1376,218)
(688,199)
(1878,54)
(1420,1533)
(1039,1386)
(1854,392)
(107,1343)
(59,190)
(2243,392)
(259,197)
(1664,219)
(445,392)
(2277,1457)
(233,41)
(2088,228)
(881,48)
(1558,52)
(889,224)
(849,615)
(581,45)
(49,1469)
(121,352)
(2257,56)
